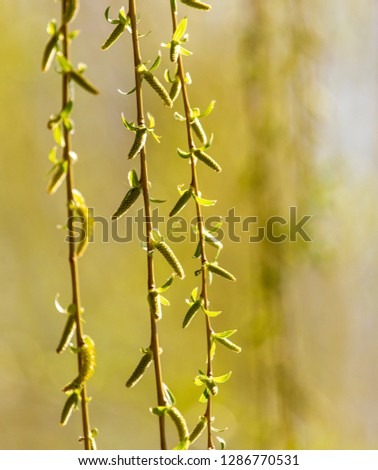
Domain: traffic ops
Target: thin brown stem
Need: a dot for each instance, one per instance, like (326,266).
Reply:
(195,186)
(148,223)
(73,260)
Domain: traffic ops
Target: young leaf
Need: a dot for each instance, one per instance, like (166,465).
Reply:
(57,177)
(133,179)
(68,333)
(180,30)
(205,202)
(191,312)
(156,63)
(72,7)
(222,378)
(83,82)
(170,398)
(49,52)
(71,404)
(167,284)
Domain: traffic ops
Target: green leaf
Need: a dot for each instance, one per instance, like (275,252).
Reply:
(51,27)
(225,334)
(151,119)
(178,116)
(65,65)
(49,52)
(204,396)
(169,395)
(180,30)
(166,285)
(58,135)
(58,305)
(205,202)
(222,442)
(208,110)
(155,235)
(156,64)
(194,294)
(184,51)
(129,125)
(83,82)
(157,201)
(133,179)
(52,155)
(164,301)
(183,154)
(222,378)
(210,313)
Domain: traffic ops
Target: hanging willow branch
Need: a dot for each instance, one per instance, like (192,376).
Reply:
(61,124)
(195,154)
(154,242)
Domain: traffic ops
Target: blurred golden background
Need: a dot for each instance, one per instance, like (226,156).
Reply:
(295,84)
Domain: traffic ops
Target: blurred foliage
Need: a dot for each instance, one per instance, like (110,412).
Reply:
(294,125)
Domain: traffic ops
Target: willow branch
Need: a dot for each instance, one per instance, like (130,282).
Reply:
(148,222)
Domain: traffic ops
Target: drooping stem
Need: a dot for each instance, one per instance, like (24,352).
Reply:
(148,222)
(200,226)
(73,259)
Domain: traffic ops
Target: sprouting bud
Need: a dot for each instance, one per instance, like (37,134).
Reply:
(179,422)
(191,312)
(68,332)
(198,129)
(214,268)
(228,344)
(198,430)
(209,161)
(72,7)
(212,386)
(70,405)
(174,51)
(158,87)
(155,305)
(87,365)
(114,35)
(83,82)
(140,369)
(196,4)
(168,254)
(131,196)
(139,143)
(175,89)
(181,203)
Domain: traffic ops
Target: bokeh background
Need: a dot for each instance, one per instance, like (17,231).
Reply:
(295,84)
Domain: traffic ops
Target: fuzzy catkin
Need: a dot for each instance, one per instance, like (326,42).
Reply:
(168,254)
(140,369)
(158,87)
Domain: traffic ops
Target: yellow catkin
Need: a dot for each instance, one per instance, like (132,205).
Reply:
(198,430)
(115,34)
(130,198)
(179,422)
(214,268)
(168,254)
(139,143)
(158,87)
(196,4)
(87,365)
(209,161)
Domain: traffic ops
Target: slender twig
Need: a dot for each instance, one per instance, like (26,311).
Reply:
(73,259)
(195,186)
(148,222)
